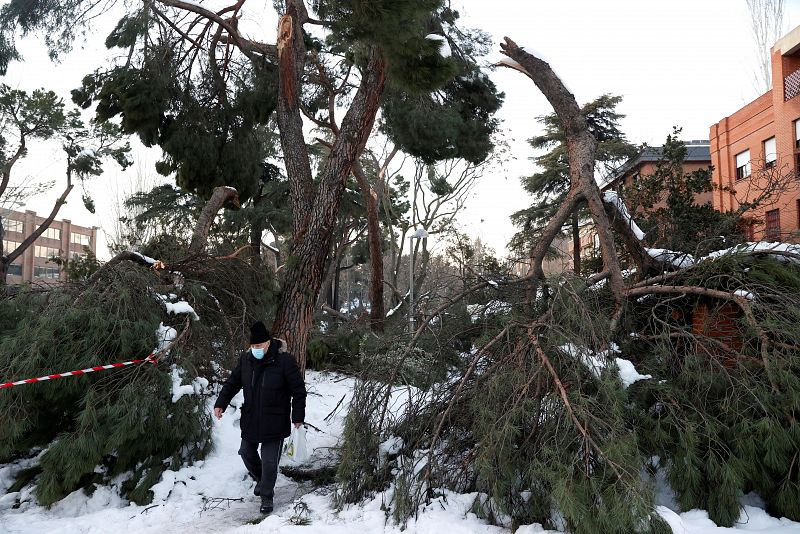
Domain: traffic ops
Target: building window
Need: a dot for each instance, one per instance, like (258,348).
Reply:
(11,225)
(45,252)
(51,233)
(773,230)
(48,273)
(9,245)
(81,239)
(15,269)
(797,133)
(743,165)
(770,153)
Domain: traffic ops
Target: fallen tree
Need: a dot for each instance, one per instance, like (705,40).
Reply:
(589,387)
(123,427)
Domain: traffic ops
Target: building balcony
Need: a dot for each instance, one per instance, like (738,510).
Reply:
(791,85)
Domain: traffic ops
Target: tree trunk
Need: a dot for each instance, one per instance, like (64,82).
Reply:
(337,279)
(31,239)
(256,231)
(327,283)
(376,313)
(581,150)
(219,197)
(314,214)
(576,244)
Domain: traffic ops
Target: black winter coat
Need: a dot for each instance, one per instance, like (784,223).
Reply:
(272,386)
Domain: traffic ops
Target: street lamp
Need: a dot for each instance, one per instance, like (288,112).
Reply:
(420,233)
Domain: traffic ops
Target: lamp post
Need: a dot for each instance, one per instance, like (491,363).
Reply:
(420,233)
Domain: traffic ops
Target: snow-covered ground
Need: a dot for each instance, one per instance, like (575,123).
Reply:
(184,499)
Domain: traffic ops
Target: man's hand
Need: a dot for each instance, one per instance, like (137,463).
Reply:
(218,413)
(298,425)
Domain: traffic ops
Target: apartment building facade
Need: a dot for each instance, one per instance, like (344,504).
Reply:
(758,147)
(61,239)
(698,157)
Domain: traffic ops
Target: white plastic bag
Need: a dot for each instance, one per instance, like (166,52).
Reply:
(296,448)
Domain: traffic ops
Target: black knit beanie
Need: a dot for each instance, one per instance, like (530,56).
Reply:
(258,333)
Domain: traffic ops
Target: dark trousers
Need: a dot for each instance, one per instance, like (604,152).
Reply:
(265,468)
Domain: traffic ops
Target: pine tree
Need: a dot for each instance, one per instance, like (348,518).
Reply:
(41,115)
(209,117)
(551,184)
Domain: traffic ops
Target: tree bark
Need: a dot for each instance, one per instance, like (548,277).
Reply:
(576,244)
(256,231)
(309,250)
(219,198)
(376,312)
(581,150)
(291,58)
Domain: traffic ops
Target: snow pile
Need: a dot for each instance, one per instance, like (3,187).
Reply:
(682,259)
(86,152)
(148,259)
(743,293)
(597,361)
(612,197)
(198,386)
(181,307)
(444,49)
(628,373)
(177,308)
(165,335)
(758,246)
(184,500)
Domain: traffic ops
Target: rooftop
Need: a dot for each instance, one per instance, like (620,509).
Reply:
(696,150)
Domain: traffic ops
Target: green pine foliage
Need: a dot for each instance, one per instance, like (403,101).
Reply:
(123,421)
(724,421)
(114,419)
(208,139)
(718,417)
(551,183)
(680,222)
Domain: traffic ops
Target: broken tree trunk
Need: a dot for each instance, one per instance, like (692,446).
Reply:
(581,148)
(220,197)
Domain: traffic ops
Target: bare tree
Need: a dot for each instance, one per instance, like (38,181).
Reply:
(766,24)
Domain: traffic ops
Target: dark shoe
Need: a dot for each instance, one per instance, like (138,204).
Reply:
(266,507)
(256,490)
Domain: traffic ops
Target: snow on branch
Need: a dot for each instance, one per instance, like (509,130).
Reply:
(612,198)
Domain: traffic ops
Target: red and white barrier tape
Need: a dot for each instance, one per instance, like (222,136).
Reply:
(149,359)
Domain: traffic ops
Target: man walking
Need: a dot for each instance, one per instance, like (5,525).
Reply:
(273,388)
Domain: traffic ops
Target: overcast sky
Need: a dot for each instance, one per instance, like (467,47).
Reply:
(685,63)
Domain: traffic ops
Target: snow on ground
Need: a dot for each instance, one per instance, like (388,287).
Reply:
(182,498)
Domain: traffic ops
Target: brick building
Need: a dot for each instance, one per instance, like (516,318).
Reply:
(62,239)
(762,141)
(698,156)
